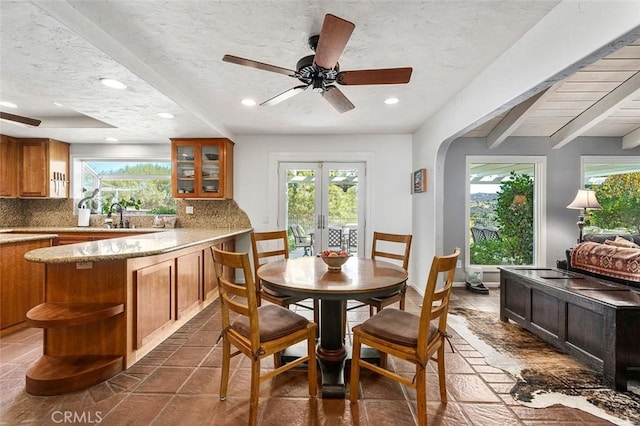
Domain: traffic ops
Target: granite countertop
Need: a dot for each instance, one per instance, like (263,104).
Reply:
(143,245)
(19,238)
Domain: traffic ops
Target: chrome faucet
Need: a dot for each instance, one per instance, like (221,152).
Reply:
(120,210)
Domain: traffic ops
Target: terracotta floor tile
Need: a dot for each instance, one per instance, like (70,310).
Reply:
(164,380)
(204,380)
(145,407)
(388,412)
(489,414)
(188,410)
(470,388)
(450,414)
(187,356)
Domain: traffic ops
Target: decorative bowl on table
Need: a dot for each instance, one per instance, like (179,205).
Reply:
(334,259)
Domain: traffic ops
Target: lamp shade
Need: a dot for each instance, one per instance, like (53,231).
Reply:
(585,199)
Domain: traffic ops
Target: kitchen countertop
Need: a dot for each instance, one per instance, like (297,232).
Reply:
(19,238)
(150,244)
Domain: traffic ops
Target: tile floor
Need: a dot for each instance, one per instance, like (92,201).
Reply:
(177,383)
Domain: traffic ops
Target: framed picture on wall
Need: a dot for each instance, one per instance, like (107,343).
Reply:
(419,181)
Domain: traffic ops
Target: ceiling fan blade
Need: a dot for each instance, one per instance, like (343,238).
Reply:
(285,95)
(337,99)
(20,119)
(258,65)
(377,76)
(334,36)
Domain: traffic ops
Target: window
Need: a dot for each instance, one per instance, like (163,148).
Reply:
(616,182)
(144,185)
(504,211)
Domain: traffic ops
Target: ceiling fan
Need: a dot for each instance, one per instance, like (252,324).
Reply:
(321,71)
(19,119)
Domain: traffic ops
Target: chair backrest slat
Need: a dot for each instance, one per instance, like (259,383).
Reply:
(267,246)
(237,297)
(435,304)
(397,241)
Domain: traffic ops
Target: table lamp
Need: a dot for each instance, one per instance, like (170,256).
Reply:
(585,199)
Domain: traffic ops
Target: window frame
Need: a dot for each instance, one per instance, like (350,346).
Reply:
(540,202)
(77,160)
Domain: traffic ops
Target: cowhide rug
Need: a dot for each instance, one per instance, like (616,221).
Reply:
(544,375)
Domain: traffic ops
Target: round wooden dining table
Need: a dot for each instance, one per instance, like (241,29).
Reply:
(309,277)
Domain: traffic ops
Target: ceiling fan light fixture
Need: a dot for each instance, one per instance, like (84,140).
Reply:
(114,84)
(8,104)
(318,85)
(391,101)
(248,102)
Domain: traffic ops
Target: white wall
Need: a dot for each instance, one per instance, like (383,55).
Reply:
(573,34)
(388,175)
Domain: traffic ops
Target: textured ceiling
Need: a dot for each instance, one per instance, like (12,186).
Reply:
(169,54)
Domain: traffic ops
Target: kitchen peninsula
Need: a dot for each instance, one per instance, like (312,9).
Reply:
(107,303)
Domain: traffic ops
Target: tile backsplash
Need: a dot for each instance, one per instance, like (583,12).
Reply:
(15,212)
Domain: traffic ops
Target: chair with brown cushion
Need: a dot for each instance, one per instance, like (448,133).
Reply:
(269,246)
(258,332)
(397,248)
(410,337)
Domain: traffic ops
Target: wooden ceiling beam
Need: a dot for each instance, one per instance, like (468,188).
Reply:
(631,139)
(516,117)
(598,112)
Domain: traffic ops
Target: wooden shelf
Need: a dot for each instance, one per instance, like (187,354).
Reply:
(54,315)
(55,375)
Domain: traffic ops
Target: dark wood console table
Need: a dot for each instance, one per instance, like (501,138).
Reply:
(594,320)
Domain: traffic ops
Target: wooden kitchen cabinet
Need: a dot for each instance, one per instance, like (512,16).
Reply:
(209,276)
(188,282)
(8,167)
(21,283)
(43,168)
(202,168)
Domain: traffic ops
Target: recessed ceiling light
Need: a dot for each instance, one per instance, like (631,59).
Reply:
(165,115)
(391,101)
(114,84)
(111,139)
(248,102)
(8,104)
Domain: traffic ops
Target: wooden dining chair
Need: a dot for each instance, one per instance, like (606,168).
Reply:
(410,337)
(258,332)
(269,246)
(396,247)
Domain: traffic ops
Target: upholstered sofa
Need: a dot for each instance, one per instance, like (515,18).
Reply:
(612,257)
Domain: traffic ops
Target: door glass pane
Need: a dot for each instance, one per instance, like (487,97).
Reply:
(343,209)
(501,213)
(301,206)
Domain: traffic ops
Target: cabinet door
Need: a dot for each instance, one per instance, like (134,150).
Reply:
(44,168)
(202,168)
(8,167)
(21,282)
(153,289)
(34,158)
(58,169)
(209,277)
(188,282)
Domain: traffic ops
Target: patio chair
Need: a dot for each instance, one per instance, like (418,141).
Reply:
(302,239)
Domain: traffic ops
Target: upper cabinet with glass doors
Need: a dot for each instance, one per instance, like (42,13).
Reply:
(202,168)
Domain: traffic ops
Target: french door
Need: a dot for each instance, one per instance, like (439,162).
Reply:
(325,202)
